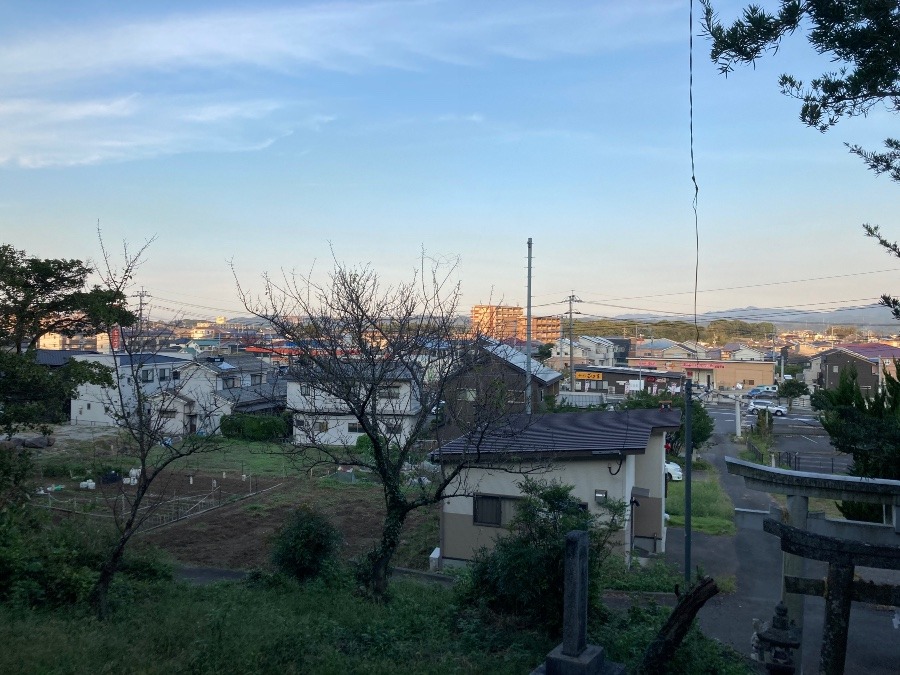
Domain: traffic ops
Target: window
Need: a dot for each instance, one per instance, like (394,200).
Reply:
(255,378)
(88,406)
(465,395)
(487,510)
(304,390)
(493,510)
(168,414)
(176,374)
(321,427)
(300,423)
(355,428)
(392,392)
(146,376)
(874,370)
(834,369)
(393,427)
(163,374)
(229,383)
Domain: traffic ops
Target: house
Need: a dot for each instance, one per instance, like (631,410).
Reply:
(186,396)
(603,455)
(491,380)
(662,348)
(322,418)
(869,360)
(587,350)
(737,351)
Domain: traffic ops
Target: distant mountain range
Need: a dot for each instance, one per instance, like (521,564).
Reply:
(872,316)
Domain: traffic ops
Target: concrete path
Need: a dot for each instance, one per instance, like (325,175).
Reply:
(753,558)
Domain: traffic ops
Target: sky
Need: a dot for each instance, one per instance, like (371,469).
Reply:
(254,137)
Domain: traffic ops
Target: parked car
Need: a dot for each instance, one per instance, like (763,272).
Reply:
(673,471)
(761,390)
(757,406)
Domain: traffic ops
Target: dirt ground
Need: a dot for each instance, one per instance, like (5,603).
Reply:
(238,536)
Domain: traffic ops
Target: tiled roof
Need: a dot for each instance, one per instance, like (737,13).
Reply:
(577,433)
(872,351)
(517,359)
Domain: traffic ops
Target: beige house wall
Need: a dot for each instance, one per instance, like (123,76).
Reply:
(461,537)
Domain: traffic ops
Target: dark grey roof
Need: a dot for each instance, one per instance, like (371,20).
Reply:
(258,397)
(571,434)
(55,358)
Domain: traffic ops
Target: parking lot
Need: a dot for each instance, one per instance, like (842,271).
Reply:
(797,432)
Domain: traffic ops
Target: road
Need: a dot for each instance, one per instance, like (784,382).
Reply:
(754,559)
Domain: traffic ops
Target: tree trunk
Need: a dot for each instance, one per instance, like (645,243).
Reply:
(669,638)
(99,597)
(375,572)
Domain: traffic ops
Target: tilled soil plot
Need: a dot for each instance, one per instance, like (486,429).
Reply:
(239,535)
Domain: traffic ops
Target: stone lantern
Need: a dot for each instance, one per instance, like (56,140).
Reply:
(777,643)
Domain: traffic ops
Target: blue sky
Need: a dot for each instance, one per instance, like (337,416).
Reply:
(270,134)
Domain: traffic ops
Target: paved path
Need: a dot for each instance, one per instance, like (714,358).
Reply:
(753,558)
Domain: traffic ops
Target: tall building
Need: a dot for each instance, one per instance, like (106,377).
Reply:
(502,322)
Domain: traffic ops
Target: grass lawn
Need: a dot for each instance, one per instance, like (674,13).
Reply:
(711,510)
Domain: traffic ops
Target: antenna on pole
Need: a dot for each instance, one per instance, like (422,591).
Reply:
(528,337)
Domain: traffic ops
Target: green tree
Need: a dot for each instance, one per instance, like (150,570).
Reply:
(791,389)
(860,35)
(523,574)
(33,395)
(40,296)
(865,427)
(702,424)
(544,352)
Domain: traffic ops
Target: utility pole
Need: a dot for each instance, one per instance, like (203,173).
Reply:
(528,338)
(688,461)
(572,298)
(140,295)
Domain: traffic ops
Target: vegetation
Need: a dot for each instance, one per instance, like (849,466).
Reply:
(711,510)
(859,35)
(37,297)
(702,423)
(255,427)
(719,331)
(306,545)
(522,575)
(791,389)
(40,296)
(866,427)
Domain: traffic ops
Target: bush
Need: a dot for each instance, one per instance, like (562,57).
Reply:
(523,575)
(306,545)
(255,427)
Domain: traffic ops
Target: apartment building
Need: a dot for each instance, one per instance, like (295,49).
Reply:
(505,321)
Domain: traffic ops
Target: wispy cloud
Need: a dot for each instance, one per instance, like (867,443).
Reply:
(107,90)
(37,134)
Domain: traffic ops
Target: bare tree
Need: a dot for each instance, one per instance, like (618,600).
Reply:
(374,372)
(166,411)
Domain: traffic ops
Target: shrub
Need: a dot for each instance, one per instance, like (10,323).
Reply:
(254,427)
(306,545)
(523,575)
